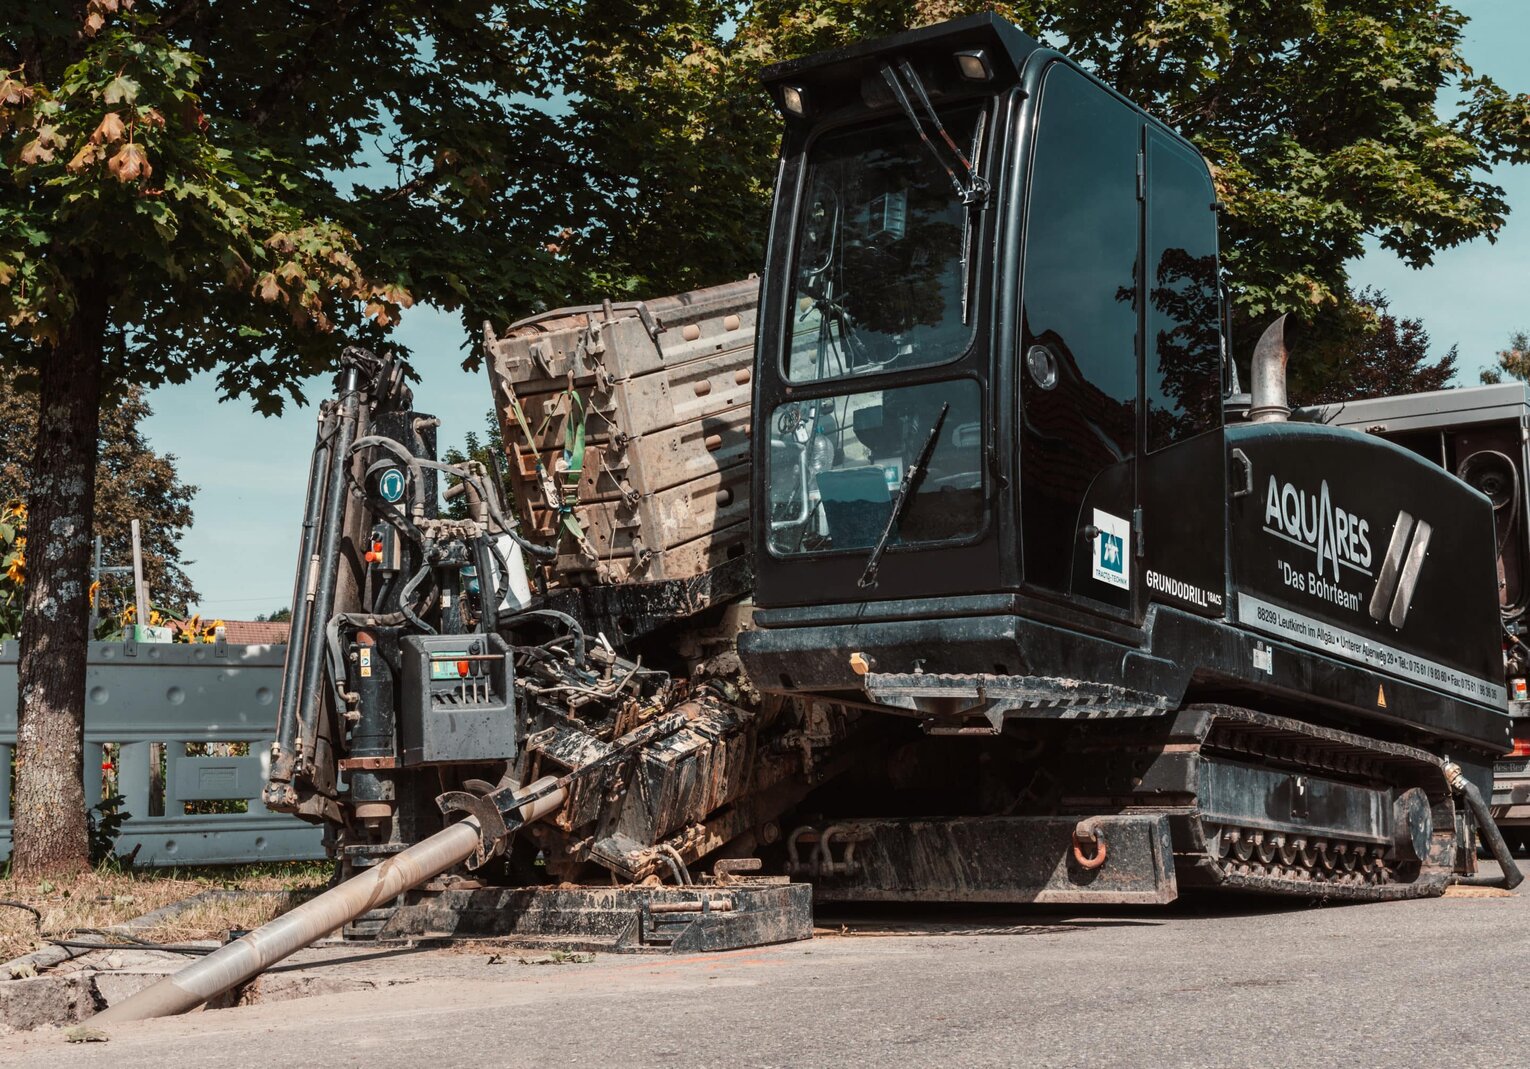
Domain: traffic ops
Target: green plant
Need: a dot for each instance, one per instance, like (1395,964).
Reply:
(104,823)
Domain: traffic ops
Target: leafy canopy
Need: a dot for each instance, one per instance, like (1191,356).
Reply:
(1325,123)
(1513,361)
(254,184)
(1362,349)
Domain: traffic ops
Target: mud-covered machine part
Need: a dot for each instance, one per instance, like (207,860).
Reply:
(426,682)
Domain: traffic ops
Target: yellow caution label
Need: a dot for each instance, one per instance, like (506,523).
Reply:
(1381,697)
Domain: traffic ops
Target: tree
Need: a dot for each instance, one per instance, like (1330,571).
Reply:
(280,616)
(1325,124)
(132,482)
(195,186)
(489,450)
(1513,361)
(1362,350)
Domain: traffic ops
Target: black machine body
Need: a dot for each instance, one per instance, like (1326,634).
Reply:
(1480,435)
(985,258)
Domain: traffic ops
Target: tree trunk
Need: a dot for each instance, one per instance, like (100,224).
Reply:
(49,834)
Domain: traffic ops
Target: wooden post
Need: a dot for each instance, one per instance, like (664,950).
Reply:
(140,591)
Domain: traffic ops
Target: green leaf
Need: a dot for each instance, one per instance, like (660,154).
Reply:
(120,90)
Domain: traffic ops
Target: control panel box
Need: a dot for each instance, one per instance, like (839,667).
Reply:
(456,699)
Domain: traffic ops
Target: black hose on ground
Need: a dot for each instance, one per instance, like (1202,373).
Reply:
(1511,877)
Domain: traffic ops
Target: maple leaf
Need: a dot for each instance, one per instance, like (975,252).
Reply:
(269,289)
(13,92)
(93,23)
(120,89)
(35,151)
(130,163)
(111,129)
(87,155)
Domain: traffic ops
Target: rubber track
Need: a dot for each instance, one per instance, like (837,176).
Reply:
(1286,743)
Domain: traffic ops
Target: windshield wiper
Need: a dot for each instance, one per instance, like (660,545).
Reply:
(910,476)
(970,186)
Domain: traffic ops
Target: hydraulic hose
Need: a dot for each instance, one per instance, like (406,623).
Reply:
(567,621)
(488,593)
(407,594)
(499,558)
(1511,877)
(495,513)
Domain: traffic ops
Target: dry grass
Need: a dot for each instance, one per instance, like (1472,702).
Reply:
(103,898)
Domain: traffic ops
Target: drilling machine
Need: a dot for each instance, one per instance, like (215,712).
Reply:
(948,561)
(976,576)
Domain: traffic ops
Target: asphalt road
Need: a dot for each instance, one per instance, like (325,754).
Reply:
(1441,982)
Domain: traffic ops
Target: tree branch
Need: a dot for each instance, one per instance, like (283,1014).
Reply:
(310,57)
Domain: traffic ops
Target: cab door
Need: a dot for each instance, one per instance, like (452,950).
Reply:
(1079,345)
(1181,477)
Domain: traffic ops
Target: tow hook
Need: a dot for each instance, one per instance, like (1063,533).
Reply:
(1087,836)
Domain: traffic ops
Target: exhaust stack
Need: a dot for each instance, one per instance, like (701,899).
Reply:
(1267,376)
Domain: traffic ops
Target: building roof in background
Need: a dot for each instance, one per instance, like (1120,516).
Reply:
(249,632)
(256,632)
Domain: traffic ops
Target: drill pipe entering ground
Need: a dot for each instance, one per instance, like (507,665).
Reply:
(257,951)
(252,954)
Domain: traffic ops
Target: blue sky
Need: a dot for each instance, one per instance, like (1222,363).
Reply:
(251,470)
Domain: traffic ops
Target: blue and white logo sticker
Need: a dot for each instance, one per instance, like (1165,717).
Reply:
(391,485)
(1112,550)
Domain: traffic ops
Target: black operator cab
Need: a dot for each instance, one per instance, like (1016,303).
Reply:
(971,403)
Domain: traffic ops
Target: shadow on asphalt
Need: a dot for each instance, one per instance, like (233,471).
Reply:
(372,955)
(988,919)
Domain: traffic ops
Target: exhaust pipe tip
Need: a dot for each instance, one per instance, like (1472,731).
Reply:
(1267,375)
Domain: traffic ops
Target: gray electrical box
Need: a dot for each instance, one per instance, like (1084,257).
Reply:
(456,699)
